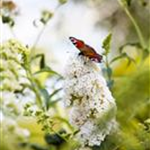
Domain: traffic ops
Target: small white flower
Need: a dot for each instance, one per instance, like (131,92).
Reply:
(93,108)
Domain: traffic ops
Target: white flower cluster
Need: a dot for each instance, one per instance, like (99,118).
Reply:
(11,129)
(92,107)
(12,73)
(13,77)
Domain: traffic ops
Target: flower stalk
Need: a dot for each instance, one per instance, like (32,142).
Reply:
(137,28)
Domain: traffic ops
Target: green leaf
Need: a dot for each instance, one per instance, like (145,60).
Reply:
(42,59)
(43,67)
(130,60)
(46,97)
(118,57)
(106,44)
(52,103)
(123,55)
(54,93)
(42,62)
(136,45)
(48,70)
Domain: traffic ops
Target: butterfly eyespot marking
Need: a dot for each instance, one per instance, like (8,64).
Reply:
(95,59)
(72,39)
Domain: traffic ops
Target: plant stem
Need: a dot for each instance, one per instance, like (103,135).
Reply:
(42,30)
(34,86)
(107,63)
(13,33)
(65,121)
(137,28)
(107,66)
(38,37)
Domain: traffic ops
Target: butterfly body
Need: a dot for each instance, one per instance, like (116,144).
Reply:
(86,50)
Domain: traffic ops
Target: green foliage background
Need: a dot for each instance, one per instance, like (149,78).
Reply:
(128,77)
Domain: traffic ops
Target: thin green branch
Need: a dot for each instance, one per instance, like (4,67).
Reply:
(107,66)
(38,37)
(42,30)
(12,32)
(65,121)
(137,28)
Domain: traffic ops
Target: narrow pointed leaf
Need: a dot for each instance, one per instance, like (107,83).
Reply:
(42,59)
(46,97)
(106,44)
(46,69)
(54,93)
(123,55)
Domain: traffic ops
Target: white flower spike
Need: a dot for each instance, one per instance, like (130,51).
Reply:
(92,106)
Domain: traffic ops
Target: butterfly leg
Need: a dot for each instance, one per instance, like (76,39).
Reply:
(81,53)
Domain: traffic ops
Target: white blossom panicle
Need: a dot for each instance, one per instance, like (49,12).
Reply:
(10,127)
(14,82)
(13,55)
(92,106)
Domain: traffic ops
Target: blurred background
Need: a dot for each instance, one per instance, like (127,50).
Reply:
(44,27)
(90,20)
(71,19)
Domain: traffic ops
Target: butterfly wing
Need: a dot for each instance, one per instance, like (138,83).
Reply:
(73,40)
(76,42)
(92,54)
(89,50)
(86,50)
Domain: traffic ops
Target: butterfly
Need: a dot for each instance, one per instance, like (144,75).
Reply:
(86,50)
